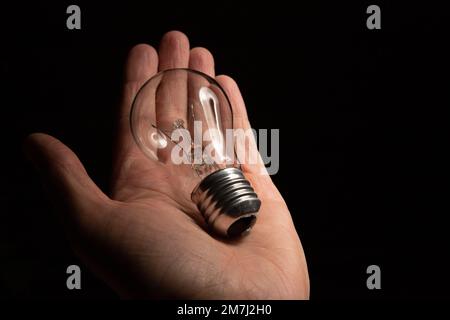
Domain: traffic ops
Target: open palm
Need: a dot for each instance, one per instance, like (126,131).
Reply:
(147,240)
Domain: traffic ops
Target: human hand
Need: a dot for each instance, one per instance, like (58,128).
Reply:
(144,240)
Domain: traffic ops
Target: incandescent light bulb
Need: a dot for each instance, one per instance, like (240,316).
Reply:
(183,118)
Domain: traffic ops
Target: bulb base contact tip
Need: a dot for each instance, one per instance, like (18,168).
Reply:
(228,202)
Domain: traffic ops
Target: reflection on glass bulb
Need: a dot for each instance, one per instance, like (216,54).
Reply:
(180,117)
(159,140)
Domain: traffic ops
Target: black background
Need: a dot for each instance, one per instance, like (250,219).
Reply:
(363,118)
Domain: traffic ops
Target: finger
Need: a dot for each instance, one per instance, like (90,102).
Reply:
(171,95)
(246,148)
(202,60)
(245,143)
(171,100)
(173,51)
(142,63)
(68,183)
(240,118)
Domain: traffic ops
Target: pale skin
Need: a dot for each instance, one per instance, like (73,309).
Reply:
(147,242)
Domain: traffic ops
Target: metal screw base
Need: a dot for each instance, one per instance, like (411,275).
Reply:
(227,201)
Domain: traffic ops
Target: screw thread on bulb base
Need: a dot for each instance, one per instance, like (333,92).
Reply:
(227,201)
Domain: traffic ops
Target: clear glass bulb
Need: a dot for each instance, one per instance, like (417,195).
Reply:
(180,118)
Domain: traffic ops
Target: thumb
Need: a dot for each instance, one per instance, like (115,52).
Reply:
(67,182)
